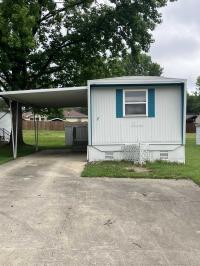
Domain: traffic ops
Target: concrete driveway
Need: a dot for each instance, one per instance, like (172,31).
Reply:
(51,216)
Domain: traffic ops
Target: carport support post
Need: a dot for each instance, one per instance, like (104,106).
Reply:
(36,133)
(14,133)
(37,123)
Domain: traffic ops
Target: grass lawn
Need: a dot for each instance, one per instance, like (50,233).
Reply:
(47,140)
(190,170)
(6,152)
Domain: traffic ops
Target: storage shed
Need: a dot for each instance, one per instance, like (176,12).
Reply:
(130,112)
(197,124)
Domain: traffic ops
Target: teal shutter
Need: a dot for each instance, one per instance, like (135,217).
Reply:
(119,103)
(151,102)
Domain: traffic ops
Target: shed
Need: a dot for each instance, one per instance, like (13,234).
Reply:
(197,124)
(190,123)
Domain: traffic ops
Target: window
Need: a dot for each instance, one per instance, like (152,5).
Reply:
(135,102)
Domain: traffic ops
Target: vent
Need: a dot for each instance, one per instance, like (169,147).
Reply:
(109,155)
(164,155)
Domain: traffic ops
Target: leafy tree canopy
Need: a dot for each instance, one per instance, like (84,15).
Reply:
(55,113)
(41,40)
(49,43)
(112,67)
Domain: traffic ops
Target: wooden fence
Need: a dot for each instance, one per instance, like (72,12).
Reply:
(190,128)
(49,125)
(60,125)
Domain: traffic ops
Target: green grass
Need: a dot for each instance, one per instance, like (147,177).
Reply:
(190,170)
(47,140)
(6,152)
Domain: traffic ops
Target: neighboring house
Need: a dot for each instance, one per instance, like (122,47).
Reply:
(74,116)
(137,110)
(29,116)
(5,125)
(69,116)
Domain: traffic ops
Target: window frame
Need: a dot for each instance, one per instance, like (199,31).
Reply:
(124,103)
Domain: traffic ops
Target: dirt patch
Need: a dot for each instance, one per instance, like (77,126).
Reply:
(138,169)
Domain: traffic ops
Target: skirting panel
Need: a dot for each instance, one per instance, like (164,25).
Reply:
(170,153)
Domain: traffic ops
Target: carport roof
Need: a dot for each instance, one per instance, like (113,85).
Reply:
(59,97)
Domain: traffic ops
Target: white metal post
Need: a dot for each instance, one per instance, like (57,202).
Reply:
(35,131)
(12,131)
(16,132)
(37,135)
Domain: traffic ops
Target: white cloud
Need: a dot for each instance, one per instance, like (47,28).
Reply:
(177,41)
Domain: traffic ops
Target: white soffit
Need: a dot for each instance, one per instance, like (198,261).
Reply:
(59,97)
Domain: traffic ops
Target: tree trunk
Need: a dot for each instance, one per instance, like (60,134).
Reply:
(14,109)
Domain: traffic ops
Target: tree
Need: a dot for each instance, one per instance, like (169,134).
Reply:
(36,35)
(55,113)
(193,100)
(127,66)
(144,66)
(198,86)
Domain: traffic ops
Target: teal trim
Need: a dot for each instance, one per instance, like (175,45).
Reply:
(182,111)
(119,103)
(151,102)
(133,85)
(90,117)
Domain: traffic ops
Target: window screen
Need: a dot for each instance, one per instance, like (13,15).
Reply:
(135,103)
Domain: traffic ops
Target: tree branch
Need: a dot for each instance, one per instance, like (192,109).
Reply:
(60,10)
(53,52)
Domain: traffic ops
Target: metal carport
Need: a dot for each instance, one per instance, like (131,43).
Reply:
(44,98)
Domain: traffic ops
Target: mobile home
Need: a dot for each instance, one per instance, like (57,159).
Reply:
(136,118)
(144,111)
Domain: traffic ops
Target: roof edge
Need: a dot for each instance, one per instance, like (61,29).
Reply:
(4,93)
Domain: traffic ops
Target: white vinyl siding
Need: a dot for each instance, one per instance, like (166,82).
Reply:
(164,128)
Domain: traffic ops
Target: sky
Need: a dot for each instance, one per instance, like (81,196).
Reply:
(177,41)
